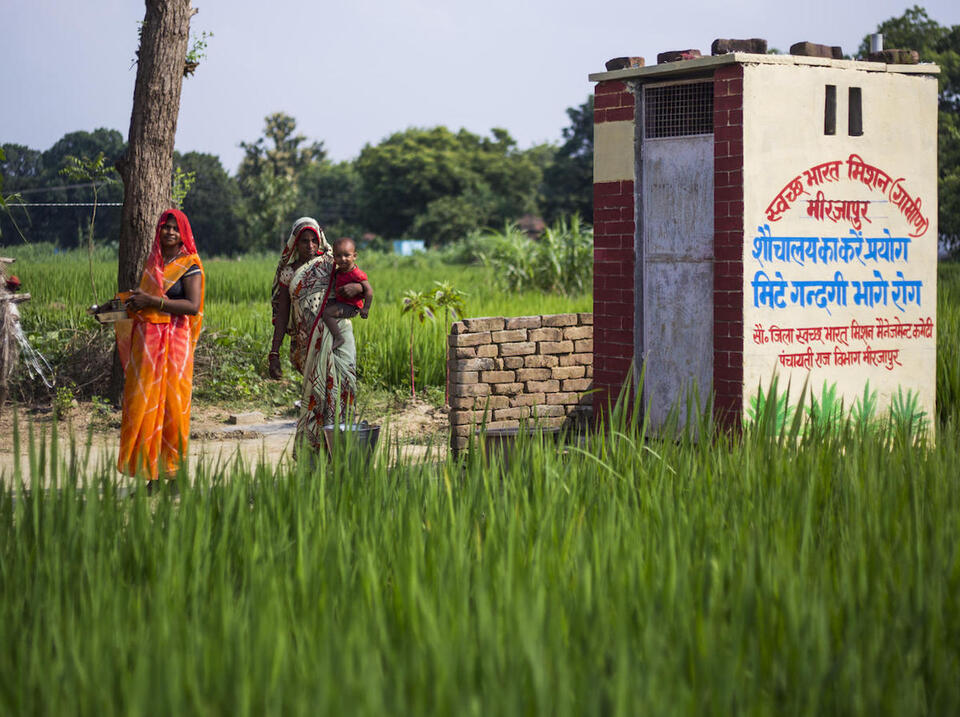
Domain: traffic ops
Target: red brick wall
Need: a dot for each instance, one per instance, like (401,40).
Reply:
(728,244)
(613,259)
(612,102)
(506,372)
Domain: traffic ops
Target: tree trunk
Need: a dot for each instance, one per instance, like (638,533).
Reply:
(147,166)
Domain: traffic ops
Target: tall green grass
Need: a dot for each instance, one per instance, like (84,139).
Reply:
(756,574)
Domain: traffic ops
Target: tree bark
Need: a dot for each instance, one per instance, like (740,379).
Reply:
(147,166)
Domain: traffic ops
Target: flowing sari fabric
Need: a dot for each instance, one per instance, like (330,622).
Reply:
(299,330)
(156,351)
(329,377)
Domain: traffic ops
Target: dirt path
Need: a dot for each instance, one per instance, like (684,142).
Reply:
(418,429)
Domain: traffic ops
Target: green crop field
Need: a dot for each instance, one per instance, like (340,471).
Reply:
(237,321)
(789,569)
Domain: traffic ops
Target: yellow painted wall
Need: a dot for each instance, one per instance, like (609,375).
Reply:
(613,154)
(800,331)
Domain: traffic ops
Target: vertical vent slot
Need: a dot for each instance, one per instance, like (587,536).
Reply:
(855,115)
(830,110)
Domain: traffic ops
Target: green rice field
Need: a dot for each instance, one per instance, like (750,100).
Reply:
(237,319)
(788,569)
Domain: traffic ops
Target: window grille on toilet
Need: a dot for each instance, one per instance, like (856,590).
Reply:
(678,110)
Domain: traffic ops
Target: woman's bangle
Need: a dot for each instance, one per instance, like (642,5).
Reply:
(161,304)
(273,353)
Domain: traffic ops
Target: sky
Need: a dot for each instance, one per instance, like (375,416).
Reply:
(352,72)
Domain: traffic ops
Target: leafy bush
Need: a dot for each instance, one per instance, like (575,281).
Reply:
(465,251)
(63,401)
(230,368)
(560,261)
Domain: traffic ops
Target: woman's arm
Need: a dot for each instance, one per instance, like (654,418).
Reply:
(280,322)
(187,306)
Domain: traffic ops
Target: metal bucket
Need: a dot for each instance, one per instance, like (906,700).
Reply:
(363,436)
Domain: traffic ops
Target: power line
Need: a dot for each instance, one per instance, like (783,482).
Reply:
(58,187)
(65,204)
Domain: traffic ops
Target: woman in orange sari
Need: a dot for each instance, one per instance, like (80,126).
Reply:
(156,349)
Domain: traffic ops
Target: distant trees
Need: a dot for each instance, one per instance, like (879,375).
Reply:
(431,183)
(426,178)
(568,180)
(330,192)
(85,144)
(427,182)
(283,154)
(212,204)
(37,177)
(268,179)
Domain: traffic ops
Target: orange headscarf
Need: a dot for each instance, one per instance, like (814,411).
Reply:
(158,277)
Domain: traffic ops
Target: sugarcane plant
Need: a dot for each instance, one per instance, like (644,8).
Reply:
(98,174)
(451,300)
(420,305)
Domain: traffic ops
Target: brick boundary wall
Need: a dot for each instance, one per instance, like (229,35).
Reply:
(505,370)
(728,244)
(613,258)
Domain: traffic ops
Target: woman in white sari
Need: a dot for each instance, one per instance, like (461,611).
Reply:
(301,287)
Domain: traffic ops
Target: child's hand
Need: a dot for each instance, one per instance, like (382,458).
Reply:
(364,313)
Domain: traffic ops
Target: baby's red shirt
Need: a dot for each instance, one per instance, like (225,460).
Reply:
(342,278)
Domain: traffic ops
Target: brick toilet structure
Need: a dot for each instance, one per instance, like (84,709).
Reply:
(765,215)
(755,217)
